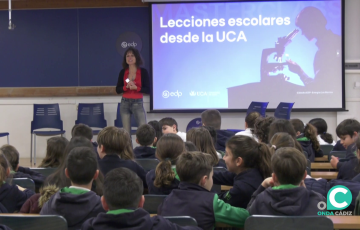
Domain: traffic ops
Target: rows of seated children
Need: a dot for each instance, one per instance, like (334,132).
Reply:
(307,137)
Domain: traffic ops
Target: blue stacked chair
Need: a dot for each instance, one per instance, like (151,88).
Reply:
(5,135)
(91,115)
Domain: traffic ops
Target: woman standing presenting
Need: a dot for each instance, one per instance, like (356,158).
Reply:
(132,83)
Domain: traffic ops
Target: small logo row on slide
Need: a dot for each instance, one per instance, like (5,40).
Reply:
(177,93)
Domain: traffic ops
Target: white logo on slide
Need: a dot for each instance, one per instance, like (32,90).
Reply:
(124,45)
(166,94)
(192,93)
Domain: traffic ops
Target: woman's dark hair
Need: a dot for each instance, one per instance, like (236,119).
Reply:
(156,125)
(54,152)
(321,127)
(169,148)
(254,155)
(189,146)
(261,128)
(282,125)
(251,119)
(59,179)
(139,60)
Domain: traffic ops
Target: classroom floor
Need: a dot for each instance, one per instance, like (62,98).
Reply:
(25,162)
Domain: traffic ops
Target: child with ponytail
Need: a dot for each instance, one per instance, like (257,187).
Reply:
(164,178)
(248,163)
(307,137)
(12,197)
(280,140)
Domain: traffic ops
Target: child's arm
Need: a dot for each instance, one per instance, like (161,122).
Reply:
(227,214)
(268,182)
(238,196)
(224,178)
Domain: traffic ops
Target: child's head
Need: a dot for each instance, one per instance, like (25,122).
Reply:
(115,141)
(261,128)
(348,131)
(4,167)
(12,155)
(145,135)
(289,166)
(81,166)
(250,120)
(211,117)
(195,168)
(158,130)
(82,130)
(189,146)
(321,129)
(298,126)
(282,125)
(54,152)
(243,152)
(203,141)
(168,125)
(169,148)
(280,140)
(308,130)
(123,189)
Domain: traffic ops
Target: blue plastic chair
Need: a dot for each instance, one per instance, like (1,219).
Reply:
(45,116)
(194,123)
(118,122)
(259,107)
(34,222)
(91,115)
(283,110)
(23,182)
(5,135)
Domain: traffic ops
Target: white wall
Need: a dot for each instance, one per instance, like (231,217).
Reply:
(16,113)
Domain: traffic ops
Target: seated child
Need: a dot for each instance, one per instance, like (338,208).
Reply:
(82,130)
(158,130)
(77,203)
(262,128)
(12,197)
(250,125)
(163,179)
(280,140)
(323,136)
(248,163)
(347,131)
(213,134)
(193,198)
(282,125)
(54,152)
(145,137)
(123,200)
(284,193)
(12,155)
(169,125)
(306,136)
(34,204)
(115,151)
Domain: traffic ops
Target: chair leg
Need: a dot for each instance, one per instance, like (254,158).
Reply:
(31,149)
(8,140)
(35,150)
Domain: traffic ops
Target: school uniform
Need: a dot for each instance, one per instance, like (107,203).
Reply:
(3,209)
(307,146)
(221,138)
(285,200)
(322,142)
(338,147)
(150,177)
(75,204)
(138,219)
(110,162)
(12,198)
(244,185)
(182,135)
(36,201)
(203,205)
(346,170)
(23,172)
(247,132)
(144,152)
(4,227)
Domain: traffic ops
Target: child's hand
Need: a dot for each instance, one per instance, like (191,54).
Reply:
(268,182)
(334,161)
(21,188)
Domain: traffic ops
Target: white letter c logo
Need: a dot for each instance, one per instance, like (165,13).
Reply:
(332,198)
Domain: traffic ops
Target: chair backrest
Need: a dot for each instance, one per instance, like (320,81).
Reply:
(46,116)
(118,122)
(17,222)
(196,122)
(339,154)
(23,182)
(44,171)
(182,220)
(283,110)
(91,115)
(326,149)
(148,164)
(256,222)
(152,203)
(259,107)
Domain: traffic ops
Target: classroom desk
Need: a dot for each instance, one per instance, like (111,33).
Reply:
(324,175)
(225,187)
(318,165)
(322,159)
